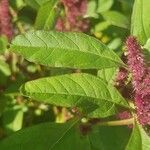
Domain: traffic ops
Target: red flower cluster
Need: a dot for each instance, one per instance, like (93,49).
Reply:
(73,20)
(5,19)
(141,79)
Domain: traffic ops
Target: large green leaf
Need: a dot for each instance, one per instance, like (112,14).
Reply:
(109,138)
(140,24)
(53,136)
(72,50)
(46,16)
(48,136)
(76,90)
(139,139)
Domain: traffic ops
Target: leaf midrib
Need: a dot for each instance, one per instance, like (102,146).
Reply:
(63,134)
(47,48)
(65,94)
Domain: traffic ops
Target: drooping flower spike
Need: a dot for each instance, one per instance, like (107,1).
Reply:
(6,27)
(140,79)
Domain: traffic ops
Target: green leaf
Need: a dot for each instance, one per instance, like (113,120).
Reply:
(48,136)
(75,90)
(139,139)
(4,68)
(147,52)
(147,45)
(12,120)
(140,23)
(36,3)
(116,18)
(70,50)
(105,110)
(3,101)
(53,136)
(109,138)
(95,7)
(91,9)
(104,5)
(3,44)
(5,72)
(103,25)
(115,44)
(17,4)
(108,74)
(46,16)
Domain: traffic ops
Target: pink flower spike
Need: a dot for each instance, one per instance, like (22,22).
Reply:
(141,79)
(5,19)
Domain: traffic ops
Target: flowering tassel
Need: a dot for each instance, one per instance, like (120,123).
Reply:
(141,79)
(5,19)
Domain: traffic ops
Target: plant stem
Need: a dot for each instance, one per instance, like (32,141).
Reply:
(117,123)
(15,17)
